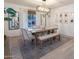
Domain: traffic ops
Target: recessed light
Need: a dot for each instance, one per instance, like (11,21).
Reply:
(44,0)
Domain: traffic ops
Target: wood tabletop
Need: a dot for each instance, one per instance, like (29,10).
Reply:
(41,29)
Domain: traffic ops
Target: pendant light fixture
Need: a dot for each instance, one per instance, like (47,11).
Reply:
(43,7)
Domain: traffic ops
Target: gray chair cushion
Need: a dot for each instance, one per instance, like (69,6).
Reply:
(24,34)
(29,33)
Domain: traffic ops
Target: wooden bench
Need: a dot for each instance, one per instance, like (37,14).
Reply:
(46,37)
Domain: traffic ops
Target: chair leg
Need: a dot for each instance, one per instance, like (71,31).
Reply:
(54,38)
(59,38)
(40,44)
(32,41)
(51,40)
(35,43)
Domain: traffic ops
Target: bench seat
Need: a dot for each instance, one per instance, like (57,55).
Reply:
(44,37)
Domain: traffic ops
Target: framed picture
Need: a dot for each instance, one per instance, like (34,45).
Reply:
(60,21)
(72,21)
(65,15)
(60,15)
(14,23)
(66,21)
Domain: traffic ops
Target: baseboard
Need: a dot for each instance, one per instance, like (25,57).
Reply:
(13,36)
(62,35)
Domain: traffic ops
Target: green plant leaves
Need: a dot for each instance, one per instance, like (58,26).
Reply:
(11,13)
(7,18)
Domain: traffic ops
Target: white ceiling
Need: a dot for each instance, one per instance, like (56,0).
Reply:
(35,3)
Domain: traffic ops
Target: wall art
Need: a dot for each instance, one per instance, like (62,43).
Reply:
(12,17)
(65,15)
(60,15)
(72,21)
(14,23)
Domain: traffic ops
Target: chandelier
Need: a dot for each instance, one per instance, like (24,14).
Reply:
(43,7)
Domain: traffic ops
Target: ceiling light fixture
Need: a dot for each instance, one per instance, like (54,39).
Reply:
(43,7)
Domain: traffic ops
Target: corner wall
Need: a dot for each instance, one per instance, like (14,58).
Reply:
(64,28)
(13,33)
(23,19)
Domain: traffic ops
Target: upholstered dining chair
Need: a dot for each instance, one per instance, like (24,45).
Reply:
(24,36)
(30,36)
(27,37)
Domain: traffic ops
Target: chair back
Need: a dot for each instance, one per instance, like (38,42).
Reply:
(29,33)
(24,34)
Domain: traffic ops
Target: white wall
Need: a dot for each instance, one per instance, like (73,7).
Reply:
(51,21)
(23,17)
(65,28)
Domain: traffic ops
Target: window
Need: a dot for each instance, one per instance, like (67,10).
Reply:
(31,19)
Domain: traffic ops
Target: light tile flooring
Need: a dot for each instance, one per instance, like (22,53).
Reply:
(65,51)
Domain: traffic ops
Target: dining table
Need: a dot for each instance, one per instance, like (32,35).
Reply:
(38,30)
(42,31)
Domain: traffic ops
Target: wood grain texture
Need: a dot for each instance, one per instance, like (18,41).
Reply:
(65,51)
